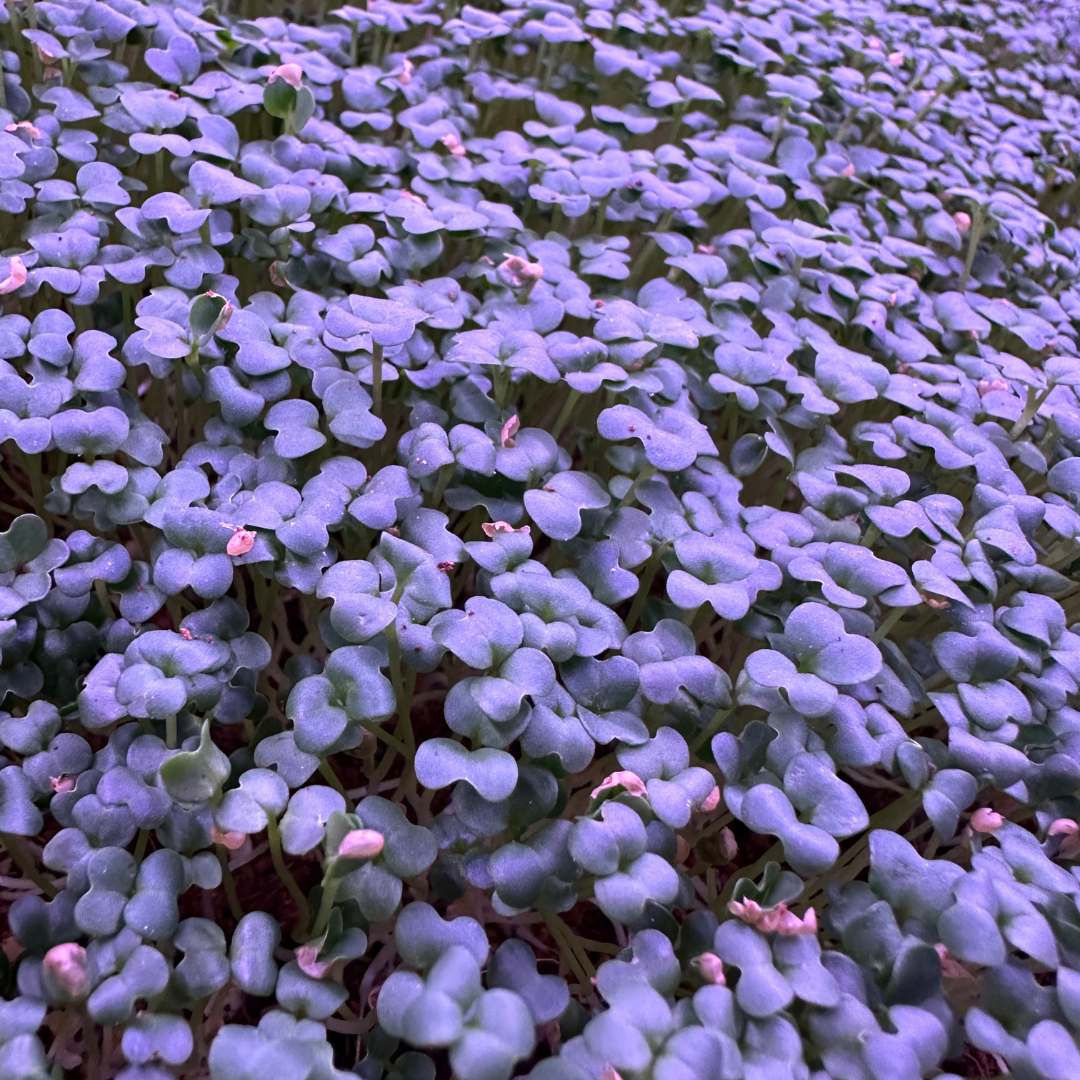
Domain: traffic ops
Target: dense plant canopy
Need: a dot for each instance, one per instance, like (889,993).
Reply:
(540,540)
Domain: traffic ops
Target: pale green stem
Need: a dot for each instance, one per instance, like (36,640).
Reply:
(331,777)
(1035,399)
(713,726)
(973,242)
(326,907)
(645,584)
(564,416)
(778,134)
(303,916)
(446,474)
(376,378)
(889,622)
(631,491)
(140,845)
(386,737)
(14,847)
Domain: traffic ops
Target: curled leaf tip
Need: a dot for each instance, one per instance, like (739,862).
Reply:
(711,968)
(631,782)
(520,272)
(66,964)
(16,278)
(25,125)
(490,528)
(307,959)
(779,920)
(228,838)
(1063,827)
(985,820)
(361,844)
(241,541)
(509,430)
(290,73)
(453,144)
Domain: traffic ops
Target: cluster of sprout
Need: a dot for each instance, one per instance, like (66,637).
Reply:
(540,539)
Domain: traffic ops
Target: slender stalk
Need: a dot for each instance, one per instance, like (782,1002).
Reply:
(376,378)
(170,731)
(303,912)
(14,846)
(230,885)
(386,737)
(710,729)
(778,134)
(140,845)
(446,474)
(502,386)
(570,957)
(90,1042)
(977,220)
(631,491)
(601,215)
(888,623)
(33,469)
(331,777)
(326,907)
(1035,399)
(641,598)
(564,416)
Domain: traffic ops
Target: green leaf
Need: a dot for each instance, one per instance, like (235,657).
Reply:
(279,98)
(194,778)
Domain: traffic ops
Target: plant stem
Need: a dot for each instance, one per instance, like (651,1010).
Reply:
(778,134)
(631,491)
(230,885)
(14,846)
(1035,399)
(331,777)
(560,932)
(386,737)
(888,623)
(303,912)
(90,1042)
(170,731)
(564,415)
(326,907)
(33,469)
(376,378)
(641,598)
(973,242)
(710,729)
(446,474)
